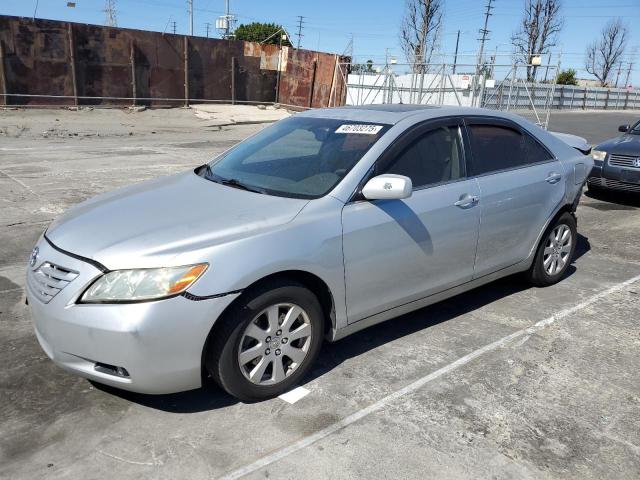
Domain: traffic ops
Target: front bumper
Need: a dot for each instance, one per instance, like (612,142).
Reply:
(159,343)
(607,176)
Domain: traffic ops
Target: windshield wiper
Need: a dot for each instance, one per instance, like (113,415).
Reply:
(230,182)
(235,183)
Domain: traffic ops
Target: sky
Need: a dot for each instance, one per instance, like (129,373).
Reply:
(374,25)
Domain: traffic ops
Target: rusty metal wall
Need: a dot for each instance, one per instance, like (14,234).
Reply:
(45,62)
(312,79)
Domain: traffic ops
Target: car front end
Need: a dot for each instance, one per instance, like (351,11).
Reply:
(152,346)
(617,163)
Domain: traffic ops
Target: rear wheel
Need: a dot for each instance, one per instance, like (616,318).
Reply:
(555,252)
(267,342)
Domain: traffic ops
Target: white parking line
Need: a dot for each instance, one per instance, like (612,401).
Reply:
(412,387)
(292,396)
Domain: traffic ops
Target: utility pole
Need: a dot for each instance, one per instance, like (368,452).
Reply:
(207,26)
(110,13)
(630,69)
(300,22)
(174,27)
(618,75)
(626,81)
(190,7)
(546,72)
(226,12)
(484,32)
(455,56)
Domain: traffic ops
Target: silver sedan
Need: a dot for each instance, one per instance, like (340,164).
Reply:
(314,228)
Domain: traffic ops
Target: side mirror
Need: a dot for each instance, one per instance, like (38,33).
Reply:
(388,187)
(624,128)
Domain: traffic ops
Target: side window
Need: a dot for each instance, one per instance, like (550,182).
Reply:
(534,152)
(497,147)
(433,158)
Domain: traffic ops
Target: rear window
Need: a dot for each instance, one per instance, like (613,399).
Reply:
(497,147)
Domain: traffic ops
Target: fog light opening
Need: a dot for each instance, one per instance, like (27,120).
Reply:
(111,370)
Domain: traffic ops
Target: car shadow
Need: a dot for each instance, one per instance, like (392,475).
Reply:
(210,397)
(614,200)
(333,354)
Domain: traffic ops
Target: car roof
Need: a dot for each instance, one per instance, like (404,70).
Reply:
(394,113)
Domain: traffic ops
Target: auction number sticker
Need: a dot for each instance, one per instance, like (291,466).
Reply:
(362,129)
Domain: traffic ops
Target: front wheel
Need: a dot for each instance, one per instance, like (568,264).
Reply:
(267,342)
(555,252)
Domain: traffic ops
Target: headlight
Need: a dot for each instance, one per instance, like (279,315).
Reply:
(142,284)
(598,155)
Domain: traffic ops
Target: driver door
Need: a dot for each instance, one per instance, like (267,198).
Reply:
(399,251)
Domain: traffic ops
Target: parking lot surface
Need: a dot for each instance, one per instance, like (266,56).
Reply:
(505,381)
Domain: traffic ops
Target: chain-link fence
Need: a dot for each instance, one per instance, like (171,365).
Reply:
(494,86)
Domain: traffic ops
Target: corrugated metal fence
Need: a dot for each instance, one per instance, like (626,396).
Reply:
(540,95)
(45,62)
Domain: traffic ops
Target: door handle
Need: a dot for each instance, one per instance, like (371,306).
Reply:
(467,201)
(553,177)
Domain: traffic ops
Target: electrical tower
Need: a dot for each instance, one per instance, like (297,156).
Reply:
(110,13)
(484,32)
(300,23)
(174,27)
(226,22)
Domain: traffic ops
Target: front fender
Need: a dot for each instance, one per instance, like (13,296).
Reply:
(312,243)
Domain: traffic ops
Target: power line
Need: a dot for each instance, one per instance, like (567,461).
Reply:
(110,13)
(300,22)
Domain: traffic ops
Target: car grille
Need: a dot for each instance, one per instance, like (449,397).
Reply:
(614,184)
(48,279)
(623,160)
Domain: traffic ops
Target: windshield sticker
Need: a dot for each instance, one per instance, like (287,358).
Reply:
(361,129)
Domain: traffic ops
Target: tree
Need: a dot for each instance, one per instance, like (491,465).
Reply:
(362,67)
(567,77)
(605,54)
(538,32)
(262,32)
(420,31)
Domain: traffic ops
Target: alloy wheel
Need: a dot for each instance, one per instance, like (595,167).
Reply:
(274,344)
(557,250)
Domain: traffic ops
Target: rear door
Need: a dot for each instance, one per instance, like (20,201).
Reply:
(398,251)
(521,184)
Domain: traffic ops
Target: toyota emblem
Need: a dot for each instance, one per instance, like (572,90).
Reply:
(636,162)
(33,258)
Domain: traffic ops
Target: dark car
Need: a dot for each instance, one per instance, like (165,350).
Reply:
(617,162)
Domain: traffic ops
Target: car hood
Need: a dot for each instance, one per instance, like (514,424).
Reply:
(156,222)
(627,144)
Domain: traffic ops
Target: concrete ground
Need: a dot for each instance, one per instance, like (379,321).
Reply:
(502,382)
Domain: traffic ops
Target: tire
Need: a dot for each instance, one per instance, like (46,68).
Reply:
(253,316)
(542,272)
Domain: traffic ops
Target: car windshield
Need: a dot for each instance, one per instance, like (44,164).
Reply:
(298,157)
(635,128)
